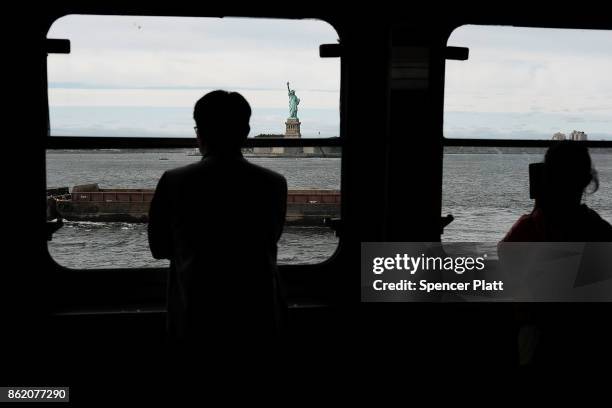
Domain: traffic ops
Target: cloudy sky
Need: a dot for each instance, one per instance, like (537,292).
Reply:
(140,76)
(529,83)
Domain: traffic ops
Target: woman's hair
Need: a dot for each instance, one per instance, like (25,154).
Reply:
(569,169)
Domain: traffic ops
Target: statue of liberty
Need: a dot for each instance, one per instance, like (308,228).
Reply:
(294,101)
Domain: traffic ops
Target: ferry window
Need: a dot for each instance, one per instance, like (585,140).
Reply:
(529,83)
(520,86)
(133,76)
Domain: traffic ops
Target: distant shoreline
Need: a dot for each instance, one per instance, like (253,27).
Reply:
(511,150)
(447,150)
(187,152)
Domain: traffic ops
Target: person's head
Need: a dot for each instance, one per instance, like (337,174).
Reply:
(568,171)
(222,121)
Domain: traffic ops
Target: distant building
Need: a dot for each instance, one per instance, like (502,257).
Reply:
(558,136)
(576,135)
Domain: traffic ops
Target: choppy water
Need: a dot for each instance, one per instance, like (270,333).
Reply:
(105,245)
(485,192)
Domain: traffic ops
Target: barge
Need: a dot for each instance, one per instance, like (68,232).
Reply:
(91,203)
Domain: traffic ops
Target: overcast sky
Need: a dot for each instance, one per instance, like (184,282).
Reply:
(141,76)
(122,64)
(529,83)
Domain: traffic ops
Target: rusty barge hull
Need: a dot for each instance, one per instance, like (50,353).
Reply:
(89,203)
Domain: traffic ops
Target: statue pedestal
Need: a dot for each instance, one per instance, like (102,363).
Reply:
(293,128)
(292,131)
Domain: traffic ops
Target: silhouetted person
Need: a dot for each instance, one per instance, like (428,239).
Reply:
(218,221)
(559,215)
(555,333)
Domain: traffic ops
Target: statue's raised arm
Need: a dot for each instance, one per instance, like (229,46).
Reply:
(288,90)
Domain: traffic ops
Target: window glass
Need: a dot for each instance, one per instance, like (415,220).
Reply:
(108,236)
(529,83)
(140,76)
(526,84)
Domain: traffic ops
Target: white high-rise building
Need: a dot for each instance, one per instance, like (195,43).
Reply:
(577,135)
(558,136)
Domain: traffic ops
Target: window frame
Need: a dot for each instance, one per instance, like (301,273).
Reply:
(59,142)
(527,143)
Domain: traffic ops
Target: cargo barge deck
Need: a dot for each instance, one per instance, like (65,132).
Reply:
(91,203)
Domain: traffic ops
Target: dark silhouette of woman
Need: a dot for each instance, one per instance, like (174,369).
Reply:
(559,215)
(552,333)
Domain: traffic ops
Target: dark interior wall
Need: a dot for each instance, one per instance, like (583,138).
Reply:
(392,161)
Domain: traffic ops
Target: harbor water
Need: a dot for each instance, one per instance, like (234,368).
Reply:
(486,193)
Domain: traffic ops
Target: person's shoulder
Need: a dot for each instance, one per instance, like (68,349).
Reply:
(525,229)
(593,215)
(180,172)
(597,223)
(266,174)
